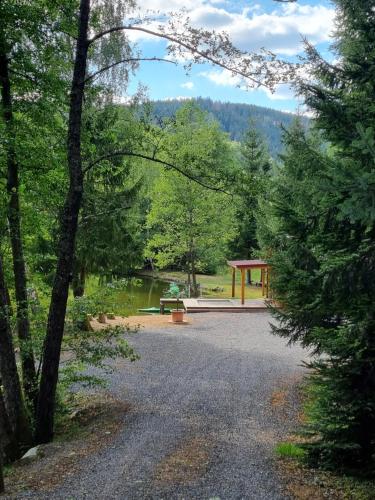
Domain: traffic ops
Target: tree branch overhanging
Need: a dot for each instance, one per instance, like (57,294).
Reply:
(127,60)
(155,160)
(193,50)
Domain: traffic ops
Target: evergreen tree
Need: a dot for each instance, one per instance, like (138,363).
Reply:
(255,165)
(321,234)
(256,158)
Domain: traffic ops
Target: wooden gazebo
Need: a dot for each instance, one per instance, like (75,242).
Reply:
(248,265)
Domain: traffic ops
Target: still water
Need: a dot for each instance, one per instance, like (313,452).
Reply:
(146,292)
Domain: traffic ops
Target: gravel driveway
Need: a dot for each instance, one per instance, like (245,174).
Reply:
(209,401)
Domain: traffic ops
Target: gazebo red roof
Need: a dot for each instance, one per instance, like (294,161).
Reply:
(247,264)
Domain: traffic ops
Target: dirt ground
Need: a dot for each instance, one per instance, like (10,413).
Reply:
(144,321)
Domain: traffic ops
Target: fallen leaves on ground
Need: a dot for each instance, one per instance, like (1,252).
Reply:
(95,423)
(186,463)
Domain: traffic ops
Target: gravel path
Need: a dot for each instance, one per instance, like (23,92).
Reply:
(209,402)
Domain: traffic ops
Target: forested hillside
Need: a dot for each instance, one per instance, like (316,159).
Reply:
(234,118)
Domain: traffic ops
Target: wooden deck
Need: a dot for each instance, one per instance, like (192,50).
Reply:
(167,302)
(224,305)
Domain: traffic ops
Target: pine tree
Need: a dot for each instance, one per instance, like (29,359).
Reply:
(321,232)
(255,165)
(256,158)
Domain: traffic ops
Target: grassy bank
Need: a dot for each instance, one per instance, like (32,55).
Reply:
(217,285)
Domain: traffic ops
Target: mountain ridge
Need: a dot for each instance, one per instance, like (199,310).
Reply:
(234,118)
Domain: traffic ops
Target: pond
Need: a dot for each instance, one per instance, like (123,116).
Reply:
(144,292)
(139,294)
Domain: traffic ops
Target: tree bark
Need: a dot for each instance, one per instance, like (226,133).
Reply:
(68,230)
(14,220)
(20,433)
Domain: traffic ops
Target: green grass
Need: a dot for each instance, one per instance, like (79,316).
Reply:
(289,450)
(220,280)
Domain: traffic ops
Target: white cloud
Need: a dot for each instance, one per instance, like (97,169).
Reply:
(282,92)
(221,77)
(251,29)
(187,85)
(211,17)
(279,31)
(164,6)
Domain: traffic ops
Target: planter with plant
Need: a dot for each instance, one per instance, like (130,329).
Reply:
(175,293)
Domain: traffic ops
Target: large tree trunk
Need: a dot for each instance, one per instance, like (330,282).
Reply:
(68,230)
(8,443)
(14,219)
(20,434)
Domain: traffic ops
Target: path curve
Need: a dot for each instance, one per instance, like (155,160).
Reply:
(209,402)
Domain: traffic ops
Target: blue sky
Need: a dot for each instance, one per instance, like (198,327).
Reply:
(251,25)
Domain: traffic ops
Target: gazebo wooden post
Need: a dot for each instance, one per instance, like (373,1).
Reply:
(233,282)
(242,286)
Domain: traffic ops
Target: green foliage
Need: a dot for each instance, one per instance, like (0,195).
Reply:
(255,167)
(172,291)
(175,292)
(102,300)
(190,226)
(185,222)
(320,277)
(87,354)
(320,235)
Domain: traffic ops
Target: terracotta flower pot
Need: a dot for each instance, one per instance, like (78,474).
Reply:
(177,316)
